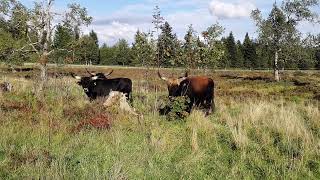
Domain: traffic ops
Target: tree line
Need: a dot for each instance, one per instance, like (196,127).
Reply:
(207,49)
(28,35)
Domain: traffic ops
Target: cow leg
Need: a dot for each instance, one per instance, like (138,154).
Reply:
(209,105)
(190,105)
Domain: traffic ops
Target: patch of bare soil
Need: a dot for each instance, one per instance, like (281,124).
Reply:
(100,122)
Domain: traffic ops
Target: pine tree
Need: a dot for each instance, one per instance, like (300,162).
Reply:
(317,59)
(231,53)
(18,22)
(86,50)
(200,53)
(239,55)
(190,48)
(249,53)
(63,37)
(94,37)
(142,52)
(123,53)
(167,45)
(107,55)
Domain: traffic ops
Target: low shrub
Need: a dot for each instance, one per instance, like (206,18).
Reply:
(175,108)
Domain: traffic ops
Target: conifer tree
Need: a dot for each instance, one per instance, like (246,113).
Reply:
(142,52)
(249,53)
(231,53)
(167,45)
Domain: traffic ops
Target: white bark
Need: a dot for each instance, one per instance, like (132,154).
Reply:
(276,67)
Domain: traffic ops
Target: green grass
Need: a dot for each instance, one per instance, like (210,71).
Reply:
(270,136)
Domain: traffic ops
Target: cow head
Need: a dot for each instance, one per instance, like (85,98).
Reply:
(173,83)
(96,76)
(87,83)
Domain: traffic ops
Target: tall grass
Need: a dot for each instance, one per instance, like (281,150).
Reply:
(259,138)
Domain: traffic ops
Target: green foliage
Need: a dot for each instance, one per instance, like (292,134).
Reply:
(167,46)
(123,53)
(317,54)
(214,49)
(190,49)
(239,55)
(278,33)
(249,53)
(250,136)
(142,51)
(63,37)
(86,50)
(231,52)
(175,108)
(107,55)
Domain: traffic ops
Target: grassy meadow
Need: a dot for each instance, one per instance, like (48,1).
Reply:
(260,130)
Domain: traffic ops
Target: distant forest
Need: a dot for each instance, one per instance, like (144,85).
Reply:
(278,38)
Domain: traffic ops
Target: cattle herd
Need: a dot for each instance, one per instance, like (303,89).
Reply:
(199,89)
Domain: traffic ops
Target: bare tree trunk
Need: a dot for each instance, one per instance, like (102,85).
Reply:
(276,68)
(43,70)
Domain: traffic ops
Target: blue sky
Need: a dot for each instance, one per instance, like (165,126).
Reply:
(114,19)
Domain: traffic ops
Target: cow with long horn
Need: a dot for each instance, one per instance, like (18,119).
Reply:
(199,89)
(95,87)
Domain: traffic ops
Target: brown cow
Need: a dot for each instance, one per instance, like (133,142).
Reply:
(199,89)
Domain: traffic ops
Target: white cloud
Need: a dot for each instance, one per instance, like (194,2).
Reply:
(111,33)
(181,20)
(225,10)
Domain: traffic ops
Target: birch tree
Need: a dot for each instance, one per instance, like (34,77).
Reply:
(41,23)
(280,27)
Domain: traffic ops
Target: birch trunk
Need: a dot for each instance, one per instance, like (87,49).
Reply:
(45,37)
(276,67)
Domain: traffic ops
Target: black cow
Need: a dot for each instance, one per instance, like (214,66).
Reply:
(95,87)
(200,90)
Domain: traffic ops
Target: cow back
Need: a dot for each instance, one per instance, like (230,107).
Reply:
(197,86)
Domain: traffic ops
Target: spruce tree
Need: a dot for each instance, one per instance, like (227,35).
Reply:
(63,37)
(167,45)
(93,35)
(318,59)
(189,48)
(123,53)
(142,52)
(239,55)
(249,53)
(231,51)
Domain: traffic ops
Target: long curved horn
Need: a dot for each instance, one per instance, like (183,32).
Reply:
(109,73)
(92,74)
(186,74)
(76,77)
(161,77)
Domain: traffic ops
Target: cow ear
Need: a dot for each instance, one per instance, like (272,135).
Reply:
(181,79)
